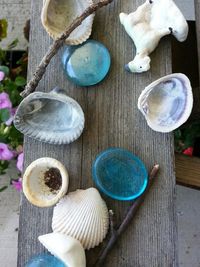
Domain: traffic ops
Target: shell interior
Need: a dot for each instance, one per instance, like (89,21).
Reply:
(58,14)
(52,118)
(83,215)
(167,103)
(34,187)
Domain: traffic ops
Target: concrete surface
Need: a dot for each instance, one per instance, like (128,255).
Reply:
(9,220)
(188,210)
(16,12)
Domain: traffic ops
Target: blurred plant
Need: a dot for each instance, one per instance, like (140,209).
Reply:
(185,138)
(12,81)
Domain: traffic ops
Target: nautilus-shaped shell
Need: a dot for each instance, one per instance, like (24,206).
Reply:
(167,103)
(82,214)
(57,15)
(66,248)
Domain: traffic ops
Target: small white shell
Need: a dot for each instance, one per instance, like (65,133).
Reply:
(57,15)
(83,215)
(167,103)
(67,249)
(34,186)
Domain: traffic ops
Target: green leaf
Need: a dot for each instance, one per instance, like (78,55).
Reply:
(5,70)
(4,114)
(3,54)
(13,44)
(20,81)
(3,188)
(3,28)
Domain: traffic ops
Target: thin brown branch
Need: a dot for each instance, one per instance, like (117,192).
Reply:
(127,219)
(53,49)
(111,219)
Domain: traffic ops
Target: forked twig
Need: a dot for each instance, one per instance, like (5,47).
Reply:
(53,49)
(116,233)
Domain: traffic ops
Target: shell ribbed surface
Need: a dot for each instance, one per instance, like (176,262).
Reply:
(83,215)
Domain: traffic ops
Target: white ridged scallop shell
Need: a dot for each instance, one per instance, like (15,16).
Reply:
(67,249)
(82,214)
(57,15)
(51,117)
(167,103)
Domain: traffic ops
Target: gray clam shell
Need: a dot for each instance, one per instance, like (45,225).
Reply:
(50,117)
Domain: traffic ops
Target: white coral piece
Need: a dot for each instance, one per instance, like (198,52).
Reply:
(148,24)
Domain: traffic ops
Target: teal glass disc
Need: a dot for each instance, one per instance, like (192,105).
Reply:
(44,260)
(86,64)
(120,174)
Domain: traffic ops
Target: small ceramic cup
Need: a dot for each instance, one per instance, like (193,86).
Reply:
(45,182)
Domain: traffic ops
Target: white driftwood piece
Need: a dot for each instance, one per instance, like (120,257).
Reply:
(148,24)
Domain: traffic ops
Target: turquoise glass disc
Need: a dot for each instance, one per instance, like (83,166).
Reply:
(120,174)
(44,260)
(86,64)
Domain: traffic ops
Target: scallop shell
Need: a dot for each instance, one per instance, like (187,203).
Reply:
(34,187)
(167,103)
(67,249)
(50,117)
(83,215)
(57,15)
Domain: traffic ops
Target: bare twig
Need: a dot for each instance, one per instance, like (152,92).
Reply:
(126,221)
(53,49)
(111,219)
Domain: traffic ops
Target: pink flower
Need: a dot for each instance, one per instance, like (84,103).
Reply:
(17,184)
(20,161)
(188,151)
(2,75)
(5,101)
(12,114)
(5,152)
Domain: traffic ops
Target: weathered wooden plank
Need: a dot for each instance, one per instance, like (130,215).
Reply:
(187,170)
(112,119)
(197,16)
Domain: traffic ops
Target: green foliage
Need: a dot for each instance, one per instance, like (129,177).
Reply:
(20,81)
(13,84)
(185,137)
(13,44)
(3,188)
(4,114)
(5,69)
(3,29)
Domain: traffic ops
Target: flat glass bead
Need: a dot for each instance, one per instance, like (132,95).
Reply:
(45,260)
(120,174)
(86,64)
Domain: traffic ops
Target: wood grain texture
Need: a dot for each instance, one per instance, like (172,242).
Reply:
(187,170)
(197,16)
(112,120)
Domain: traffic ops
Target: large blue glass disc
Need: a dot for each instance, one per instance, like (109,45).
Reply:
(120,174)
(44,260)
(86,64)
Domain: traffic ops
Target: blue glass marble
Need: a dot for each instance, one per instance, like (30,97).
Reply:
(45,260)
(86,64)
(120,174)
